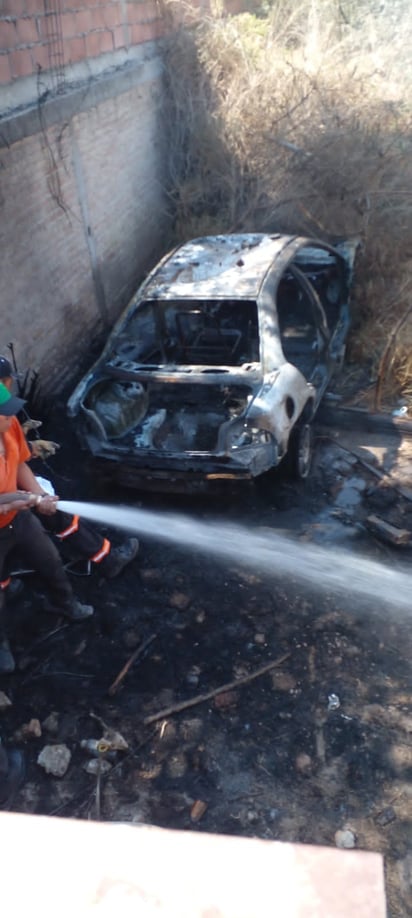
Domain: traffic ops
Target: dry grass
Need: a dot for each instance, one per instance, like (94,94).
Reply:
(299,120)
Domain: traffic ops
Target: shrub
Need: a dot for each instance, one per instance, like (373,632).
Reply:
(296,117)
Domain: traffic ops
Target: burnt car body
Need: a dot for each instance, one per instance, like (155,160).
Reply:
(218,364)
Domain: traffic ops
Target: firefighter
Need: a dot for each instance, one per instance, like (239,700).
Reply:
(22,530)
(78,540)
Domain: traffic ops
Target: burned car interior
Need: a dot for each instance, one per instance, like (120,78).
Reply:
(229,342)
(209,332)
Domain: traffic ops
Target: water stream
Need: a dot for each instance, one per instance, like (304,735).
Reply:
(270,553)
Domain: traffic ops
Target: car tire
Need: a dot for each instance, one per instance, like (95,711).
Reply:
(300,451)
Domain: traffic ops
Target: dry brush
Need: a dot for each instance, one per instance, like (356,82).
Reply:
(299,120)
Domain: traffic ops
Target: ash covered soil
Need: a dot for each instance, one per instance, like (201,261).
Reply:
(278,757)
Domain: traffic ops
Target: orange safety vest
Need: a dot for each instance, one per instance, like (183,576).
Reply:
(16,452)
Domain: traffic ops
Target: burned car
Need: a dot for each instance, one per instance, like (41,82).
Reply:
(218,364)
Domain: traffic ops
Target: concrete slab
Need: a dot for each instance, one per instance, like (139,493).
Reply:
(74,867)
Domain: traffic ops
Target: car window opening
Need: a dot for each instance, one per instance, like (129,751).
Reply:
(308,309)
(192,332)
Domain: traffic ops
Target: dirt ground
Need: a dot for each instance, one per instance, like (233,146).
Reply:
(278,757)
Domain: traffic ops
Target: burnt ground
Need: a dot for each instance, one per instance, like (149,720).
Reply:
(273,758)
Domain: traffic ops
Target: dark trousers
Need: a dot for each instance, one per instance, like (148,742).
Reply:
(84,543)
(26,535)
(3,765)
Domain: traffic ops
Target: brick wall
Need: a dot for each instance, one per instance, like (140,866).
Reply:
(82,216)
(33,36)
(39,35)
(83,205)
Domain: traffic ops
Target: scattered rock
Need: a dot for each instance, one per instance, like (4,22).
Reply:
(198,810)
(225,700)
(4,702)
(240,670)
(179,601)
(97,766)
(131,639)
(32,730)
(192,677)
(259,638)
(55,760)
(345,838)
(177,765)
(191,729)
(150,574)
(51,723)
(303,763)
(400,755)
(149,773)
(252,816)
(282,681)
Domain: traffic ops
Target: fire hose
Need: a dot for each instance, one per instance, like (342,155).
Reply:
(25,498)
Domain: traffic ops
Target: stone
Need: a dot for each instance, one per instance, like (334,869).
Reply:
(55,760)
(303,763)
(225,700)
(259,637)
(131,639)
(4,702)
(192,677)
(198,810)
(179,601)
(31,730)
(177,765)
(345,838)
(97,766)
(150,574)
(191,729)
(51,722)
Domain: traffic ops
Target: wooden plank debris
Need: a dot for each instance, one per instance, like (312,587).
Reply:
(387,532)
(198,699)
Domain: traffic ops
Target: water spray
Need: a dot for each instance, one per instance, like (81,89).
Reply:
(269,552)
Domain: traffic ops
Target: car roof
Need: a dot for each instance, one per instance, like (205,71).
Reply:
(219,266)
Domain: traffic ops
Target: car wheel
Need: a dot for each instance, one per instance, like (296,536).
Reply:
(300,451)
